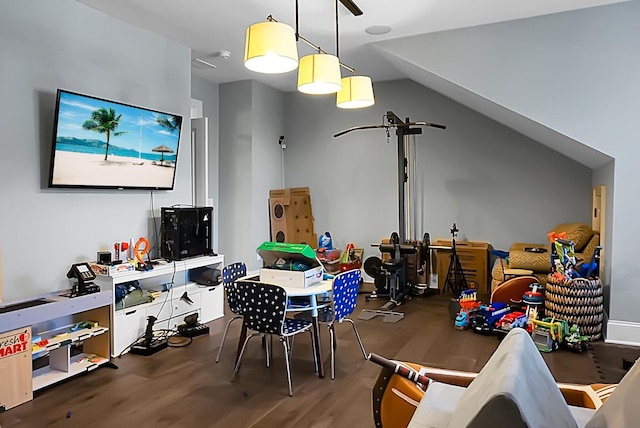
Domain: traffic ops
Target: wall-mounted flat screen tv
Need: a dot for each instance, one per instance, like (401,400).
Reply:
(99,143)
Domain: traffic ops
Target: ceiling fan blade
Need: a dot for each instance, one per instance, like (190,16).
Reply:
(352,7)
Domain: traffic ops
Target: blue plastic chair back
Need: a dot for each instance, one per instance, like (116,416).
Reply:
(230,274)
(345,293)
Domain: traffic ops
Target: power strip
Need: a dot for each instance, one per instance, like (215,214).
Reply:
(193,331)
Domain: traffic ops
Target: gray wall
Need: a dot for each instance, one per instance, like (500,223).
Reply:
(605,176)
(497,185)
(209,94)
(235,171)
(268,124)
(251,118)
(48,45)
(576,73)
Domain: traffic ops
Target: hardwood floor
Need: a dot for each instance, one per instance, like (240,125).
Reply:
(184,387)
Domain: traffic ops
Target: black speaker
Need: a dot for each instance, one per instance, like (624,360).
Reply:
(186,232)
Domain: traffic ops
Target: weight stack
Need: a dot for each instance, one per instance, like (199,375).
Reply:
(291,216)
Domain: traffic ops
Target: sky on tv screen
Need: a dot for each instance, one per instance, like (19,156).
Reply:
(141,129)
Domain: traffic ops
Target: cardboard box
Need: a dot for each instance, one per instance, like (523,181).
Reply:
(474,259)
(291,216)
(109,270)
(272,251)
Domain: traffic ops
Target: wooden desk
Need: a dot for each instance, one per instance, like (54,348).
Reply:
(311,292)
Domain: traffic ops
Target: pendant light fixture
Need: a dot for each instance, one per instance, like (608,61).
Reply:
(319,74)
(270,47)
(356,92)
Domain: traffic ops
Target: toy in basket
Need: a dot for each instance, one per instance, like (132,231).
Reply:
(325,252)
(571,297)
(351,259)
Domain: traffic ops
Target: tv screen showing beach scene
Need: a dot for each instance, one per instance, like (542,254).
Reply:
(106,144)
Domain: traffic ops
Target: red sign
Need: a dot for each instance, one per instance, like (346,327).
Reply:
(15,342)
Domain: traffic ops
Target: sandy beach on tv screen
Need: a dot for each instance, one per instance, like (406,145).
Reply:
(92,170)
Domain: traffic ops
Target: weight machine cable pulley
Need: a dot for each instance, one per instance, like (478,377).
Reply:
(403,129)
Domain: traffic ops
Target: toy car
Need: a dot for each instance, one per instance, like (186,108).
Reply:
(516,319)
(575,341)
(462,321)
(488,316)
(512,320)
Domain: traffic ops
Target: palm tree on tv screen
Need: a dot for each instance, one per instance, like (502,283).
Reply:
(170,123)
(105,122)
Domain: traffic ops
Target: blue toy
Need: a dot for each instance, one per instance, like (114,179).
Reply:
(324,241)
(462,321)
(488,316)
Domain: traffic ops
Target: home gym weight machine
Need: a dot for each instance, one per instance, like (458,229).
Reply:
(394,272)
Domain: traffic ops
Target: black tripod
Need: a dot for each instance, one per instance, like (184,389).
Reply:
(455,275)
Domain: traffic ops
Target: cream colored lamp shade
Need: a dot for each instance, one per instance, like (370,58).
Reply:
(319,74)
(270,47)
(356,92)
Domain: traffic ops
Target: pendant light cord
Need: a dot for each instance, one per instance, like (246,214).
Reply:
(317,48)
(337,32)
(297,32)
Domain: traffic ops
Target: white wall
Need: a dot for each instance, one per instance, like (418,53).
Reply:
(575,73)
(48,45)
(496,184)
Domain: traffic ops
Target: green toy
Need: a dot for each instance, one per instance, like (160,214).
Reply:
(575,341)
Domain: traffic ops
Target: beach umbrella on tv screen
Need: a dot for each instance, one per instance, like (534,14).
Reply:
(162,149)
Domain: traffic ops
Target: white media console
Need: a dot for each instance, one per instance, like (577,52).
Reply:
(171,279)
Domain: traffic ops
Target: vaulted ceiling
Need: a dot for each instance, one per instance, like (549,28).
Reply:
(215,33)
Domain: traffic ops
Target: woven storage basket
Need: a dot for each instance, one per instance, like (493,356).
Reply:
(578,301)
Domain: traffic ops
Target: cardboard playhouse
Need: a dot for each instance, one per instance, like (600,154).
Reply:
(271,252)
(291,216)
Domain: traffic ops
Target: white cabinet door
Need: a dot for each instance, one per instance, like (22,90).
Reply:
(212,303)
(130,325)
(176,307)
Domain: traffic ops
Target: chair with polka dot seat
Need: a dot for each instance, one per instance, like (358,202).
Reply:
(230,274)
(264,308)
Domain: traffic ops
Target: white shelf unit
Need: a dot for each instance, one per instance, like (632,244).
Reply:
(169,309)
(96,345)
(63,367)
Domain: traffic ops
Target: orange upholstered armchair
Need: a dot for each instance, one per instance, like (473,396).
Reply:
(585,241)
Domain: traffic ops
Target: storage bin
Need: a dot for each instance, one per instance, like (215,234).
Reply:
(578,301)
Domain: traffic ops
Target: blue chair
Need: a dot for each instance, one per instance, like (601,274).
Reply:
(264,309)
(345,294)
(230,274)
